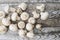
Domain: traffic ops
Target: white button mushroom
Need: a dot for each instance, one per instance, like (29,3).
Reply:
(21,24)
(31,20)
(19,10)
(5,21)
(41,7)
(14,16)
(30,34)
(23,6)
(35,14)
(44,15)
(2,14)
(13,27)
(22,33)
(3,29)
(24,16)
(29,26)
(11,9)
(38,26)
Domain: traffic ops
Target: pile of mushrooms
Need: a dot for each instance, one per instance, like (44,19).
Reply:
(17,19)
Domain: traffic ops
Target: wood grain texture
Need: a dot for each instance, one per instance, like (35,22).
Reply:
(51,27)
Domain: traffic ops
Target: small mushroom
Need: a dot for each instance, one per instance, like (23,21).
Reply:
(41,7)
(14,16)
(5,21)
(24,16)
(35,14)
(29,26)
(32,20)
(30,34)
(22,33)
(23,6)
(44,15)
(19,10)
(2,14)
(38,26)
(3,29)
(13,27)
(21,24)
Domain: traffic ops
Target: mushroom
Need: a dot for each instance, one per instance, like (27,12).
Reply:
(35,14)
(32,20)
(13,27)
(23,6)
(38,26)
(30,34)
(21,24)
(2,14)
(5,21)
(19,10)
(44,15)
(14,16)
(41,7)
(22,33)
(24,16)
(29,26)
(3,29)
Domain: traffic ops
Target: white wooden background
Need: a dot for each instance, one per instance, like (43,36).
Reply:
(47,33)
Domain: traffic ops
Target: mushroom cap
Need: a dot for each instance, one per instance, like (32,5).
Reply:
(2,14)
(38,26)
(44,15)
(41,7)
(19,10)
(13,27)
(29,26)
(30,34)
(21,24)
(23,6)
(32,20)
(5,21)
(35,14)
(14,16)
(24,16)
(3,29)
(22,32)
